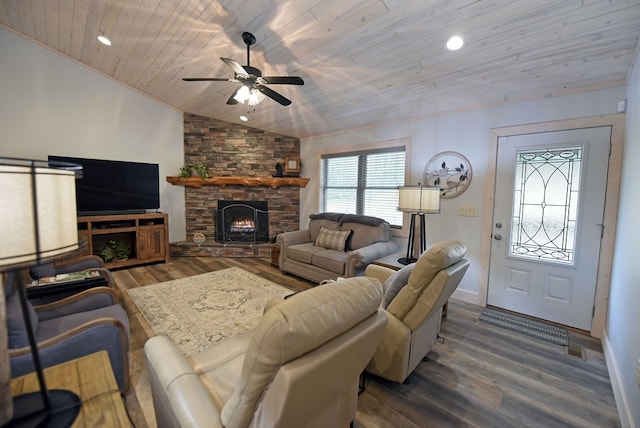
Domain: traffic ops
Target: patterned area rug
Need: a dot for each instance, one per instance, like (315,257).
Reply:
(200,310)
(524,325)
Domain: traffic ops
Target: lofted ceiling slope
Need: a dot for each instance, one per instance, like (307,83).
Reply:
(364,62)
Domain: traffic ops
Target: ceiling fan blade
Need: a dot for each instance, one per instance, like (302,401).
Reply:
(231,101)
(237,68)
(206,79)
(274,95)
(283,80)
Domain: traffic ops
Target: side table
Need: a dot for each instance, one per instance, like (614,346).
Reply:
(92,379)
(55,288)
(391,261)
(275,255)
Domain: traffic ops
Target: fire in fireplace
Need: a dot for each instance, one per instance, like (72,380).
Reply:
(242,222)
(243,226)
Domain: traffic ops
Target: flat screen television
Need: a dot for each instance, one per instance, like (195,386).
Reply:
(115,187)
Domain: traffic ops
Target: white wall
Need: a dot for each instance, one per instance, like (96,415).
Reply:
(467,133)
(622,341)
(52,105)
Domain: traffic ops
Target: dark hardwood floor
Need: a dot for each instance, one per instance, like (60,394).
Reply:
(480,376)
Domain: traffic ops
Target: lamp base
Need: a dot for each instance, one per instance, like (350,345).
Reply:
(406,261)
(28,410)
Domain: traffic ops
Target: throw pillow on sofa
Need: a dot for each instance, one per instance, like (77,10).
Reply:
(395,283)
(332,239)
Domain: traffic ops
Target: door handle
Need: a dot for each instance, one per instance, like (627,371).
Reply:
(497,237)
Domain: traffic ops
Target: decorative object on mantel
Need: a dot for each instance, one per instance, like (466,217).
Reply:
(450,171)
(186,170)
(292,165)
(200,168)
(279,170)
(273,182)
(199,238)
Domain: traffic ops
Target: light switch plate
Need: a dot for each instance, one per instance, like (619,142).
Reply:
(468,210)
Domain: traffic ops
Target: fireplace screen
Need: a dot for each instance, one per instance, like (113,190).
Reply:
(243,222)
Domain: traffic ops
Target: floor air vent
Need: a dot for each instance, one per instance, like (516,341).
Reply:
(574,350)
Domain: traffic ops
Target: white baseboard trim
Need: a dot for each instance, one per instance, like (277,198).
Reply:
(619,394)
(466,296)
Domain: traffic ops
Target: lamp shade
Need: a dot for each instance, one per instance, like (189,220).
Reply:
(38,213)
(419,199)
(243,94)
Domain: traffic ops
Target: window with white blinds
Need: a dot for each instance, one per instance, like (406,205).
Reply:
(363,183)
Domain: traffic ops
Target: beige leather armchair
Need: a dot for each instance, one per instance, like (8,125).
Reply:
(415,296)
(298,368)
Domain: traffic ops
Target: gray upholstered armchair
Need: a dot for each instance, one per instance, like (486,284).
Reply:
(414,297)
(298,368)
(69,328)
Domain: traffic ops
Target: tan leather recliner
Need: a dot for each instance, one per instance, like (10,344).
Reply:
(415,296)
(298,368)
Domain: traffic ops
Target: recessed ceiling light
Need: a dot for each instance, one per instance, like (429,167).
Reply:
(104,40)
(455,43)
(244,118)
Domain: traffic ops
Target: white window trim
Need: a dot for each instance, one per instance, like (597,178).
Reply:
(406,142)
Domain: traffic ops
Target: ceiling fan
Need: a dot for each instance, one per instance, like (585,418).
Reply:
(253,84)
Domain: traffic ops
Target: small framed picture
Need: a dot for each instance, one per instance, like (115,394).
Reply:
(291,165)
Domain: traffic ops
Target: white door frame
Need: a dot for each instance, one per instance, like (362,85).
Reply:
(616,121)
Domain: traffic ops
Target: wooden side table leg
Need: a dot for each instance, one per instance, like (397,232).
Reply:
(275,255)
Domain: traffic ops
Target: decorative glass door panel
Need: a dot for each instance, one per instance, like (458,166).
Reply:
(545,201)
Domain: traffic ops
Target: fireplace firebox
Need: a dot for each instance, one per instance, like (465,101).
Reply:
(242,222)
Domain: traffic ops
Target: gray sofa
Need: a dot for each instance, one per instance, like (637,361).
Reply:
(334,245)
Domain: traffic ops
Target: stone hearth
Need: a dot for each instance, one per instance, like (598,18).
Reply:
(217,249)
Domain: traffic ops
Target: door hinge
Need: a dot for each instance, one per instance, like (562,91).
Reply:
(593,311)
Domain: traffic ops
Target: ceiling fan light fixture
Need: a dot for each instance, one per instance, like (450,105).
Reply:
(242,95)
(252,96)
(254,87)
(454,43)
(256,97)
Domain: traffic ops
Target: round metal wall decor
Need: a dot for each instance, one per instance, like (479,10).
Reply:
(450,171)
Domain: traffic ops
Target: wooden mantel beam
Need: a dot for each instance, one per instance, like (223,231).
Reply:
(273,182)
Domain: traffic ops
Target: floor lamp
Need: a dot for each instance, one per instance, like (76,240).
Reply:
(418,201)
(37,222)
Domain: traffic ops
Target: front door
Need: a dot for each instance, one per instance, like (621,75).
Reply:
(547,225)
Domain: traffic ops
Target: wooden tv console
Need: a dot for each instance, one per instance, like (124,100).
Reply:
(146,235)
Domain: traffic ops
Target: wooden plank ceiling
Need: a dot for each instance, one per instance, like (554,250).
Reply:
(364,62)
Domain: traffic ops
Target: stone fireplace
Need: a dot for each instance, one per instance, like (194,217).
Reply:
(242,222)
(231,150)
